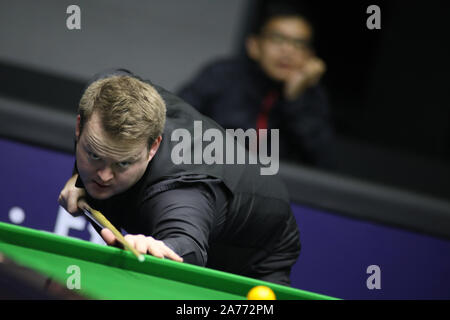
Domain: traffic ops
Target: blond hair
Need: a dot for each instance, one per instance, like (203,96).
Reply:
(130,110)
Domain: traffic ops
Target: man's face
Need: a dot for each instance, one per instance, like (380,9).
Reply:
(282,47)
(108,167)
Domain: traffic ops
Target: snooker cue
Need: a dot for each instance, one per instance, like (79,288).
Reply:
(82,204)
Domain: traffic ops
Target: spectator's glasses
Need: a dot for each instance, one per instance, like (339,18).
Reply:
(280,39)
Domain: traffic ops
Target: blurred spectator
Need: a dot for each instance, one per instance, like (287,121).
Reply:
(275,87)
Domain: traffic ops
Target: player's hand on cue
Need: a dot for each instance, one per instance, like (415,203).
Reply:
(143,244)
(69,196)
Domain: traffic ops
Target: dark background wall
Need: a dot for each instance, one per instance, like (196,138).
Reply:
(390,91)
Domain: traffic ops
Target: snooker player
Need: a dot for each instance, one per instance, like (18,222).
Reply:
(223,216)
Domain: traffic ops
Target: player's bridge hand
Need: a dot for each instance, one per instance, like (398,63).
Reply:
(69,196)
(143,244)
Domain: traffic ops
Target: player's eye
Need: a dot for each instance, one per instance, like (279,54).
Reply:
(124,164)
(93,156)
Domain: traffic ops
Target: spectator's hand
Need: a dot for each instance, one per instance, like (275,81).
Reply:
(299,80)
(69,196)
(143,245)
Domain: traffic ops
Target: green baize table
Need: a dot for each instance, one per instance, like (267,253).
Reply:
(110,273)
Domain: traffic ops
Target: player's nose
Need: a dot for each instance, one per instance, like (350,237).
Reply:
(106,174)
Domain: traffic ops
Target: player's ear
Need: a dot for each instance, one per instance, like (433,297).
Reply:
(154,148)
(77,127)
(252,46)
